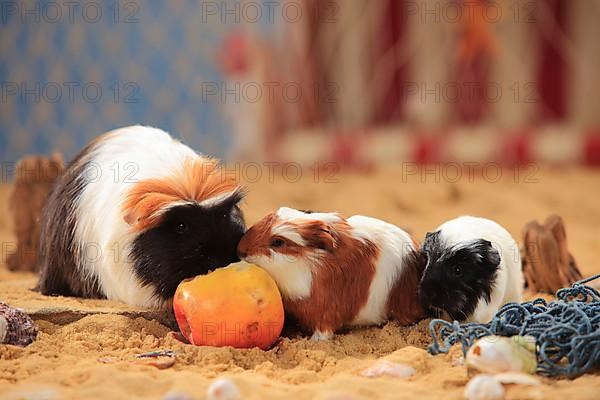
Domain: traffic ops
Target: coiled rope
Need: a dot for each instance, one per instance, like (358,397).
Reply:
(566,330)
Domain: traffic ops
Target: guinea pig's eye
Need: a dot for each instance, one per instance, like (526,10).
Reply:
(457,270)
(181,228)
(277,242)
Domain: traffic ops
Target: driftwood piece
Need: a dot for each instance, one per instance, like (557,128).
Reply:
(33,181)
(547,263)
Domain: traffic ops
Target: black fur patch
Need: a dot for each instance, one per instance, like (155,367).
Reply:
(457,276)
(190,240)
(160,259)
(58,253)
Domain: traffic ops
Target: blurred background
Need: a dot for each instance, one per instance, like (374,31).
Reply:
(357,82)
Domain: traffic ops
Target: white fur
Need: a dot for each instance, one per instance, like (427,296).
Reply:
(319,336)
(289,232)
(509,280)
(289,214)
(394,244)
(136,153)
(294,276)
(214,200)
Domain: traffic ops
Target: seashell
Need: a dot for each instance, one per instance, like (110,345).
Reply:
(162,359)
(385,367)
(16,327)
(158,362)
(495,354)
(223,389)
(483,387)
(528,342)
(3,329)
(155,354)
(516,378)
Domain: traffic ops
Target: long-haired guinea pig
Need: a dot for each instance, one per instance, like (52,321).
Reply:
(133,215)
(335,272)
(473,268)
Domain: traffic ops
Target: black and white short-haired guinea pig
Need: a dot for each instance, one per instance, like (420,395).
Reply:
(335,272)
(133,215)
(473,268)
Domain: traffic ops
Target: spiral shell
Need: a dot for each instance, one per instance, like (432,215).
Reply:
(494,354)
(16,327)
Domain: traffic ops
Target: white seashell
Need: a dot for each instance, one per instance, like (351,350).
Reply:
(483,387)
(494,354)
(516,378)
(223,389)
(385,367)
(3,329)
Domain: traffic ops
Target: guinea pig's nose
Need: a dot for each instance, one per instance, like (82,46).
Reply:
(242,249)
(242,252)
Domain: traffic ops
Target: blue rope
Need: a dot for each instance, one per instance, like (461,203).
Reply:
(567,330)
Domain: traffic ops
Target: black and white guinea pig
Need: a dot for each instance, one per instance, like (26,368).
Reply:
(133,215)
(335,272)
(473,268)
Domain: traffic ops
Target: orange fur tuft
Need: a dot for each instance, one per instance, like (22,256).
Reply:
(199,180)
(416,243)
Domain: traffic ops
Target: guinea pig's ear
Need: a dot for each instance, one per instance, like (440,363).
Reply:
(431,240)
(490,257)
(134,217)
(130,218)
(319,235)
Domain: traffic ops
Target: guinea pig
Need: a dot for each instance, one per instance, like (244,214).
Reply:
(473,268)
(335,272)
(133,215)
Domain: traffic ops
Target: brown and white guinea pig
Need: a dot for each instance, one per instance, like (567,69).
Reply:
(133,215)
(335,272)
(473,268)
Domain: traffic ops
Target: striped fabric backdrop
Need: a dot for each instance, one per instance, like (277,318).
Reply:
(444,80)
(311,80)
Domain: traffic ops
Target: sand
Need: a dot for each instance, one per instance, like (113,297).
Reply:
(86,348)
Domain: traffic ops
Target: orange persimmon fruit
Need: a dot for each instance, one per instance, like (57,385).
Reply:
(239,305)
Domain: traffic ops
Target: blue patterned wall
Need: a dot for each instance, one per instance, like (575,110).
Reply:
(69,73)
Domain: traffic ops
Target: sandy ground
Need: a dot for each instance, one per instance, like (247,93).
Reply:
(85,348)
